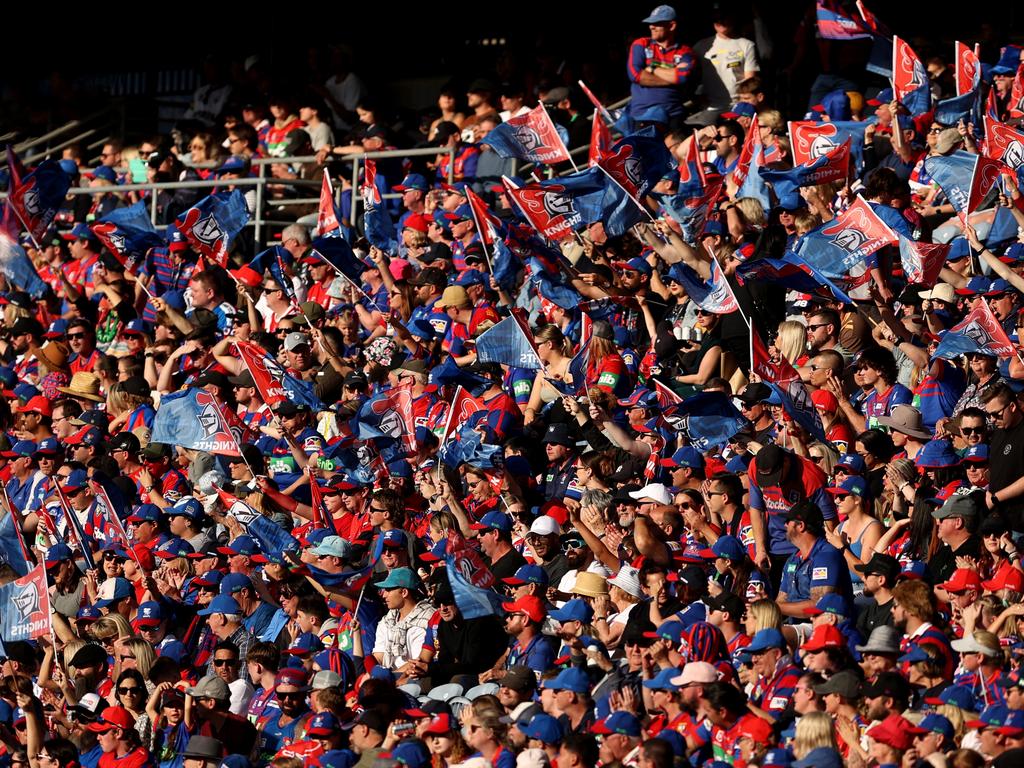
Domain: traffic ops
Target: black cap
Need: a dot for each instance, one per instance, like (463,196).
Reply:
(807,513)
(25,325)
(356,380)
(755,393)
(434,252)
(89,655)
(430,276)
(882,565)
(292,409)
(769,465)
(213,377)
(243,379)
(558,434)
(136,385)
(727,602)
(125,441)
(374,721)
(888,684)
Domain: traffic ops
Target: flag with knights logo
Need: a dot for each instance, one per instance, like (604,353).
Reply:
(692,213)
(129,234)
(909,79)
(964,178)
(271,537)
(531,136)
(275,385)
(36,196)
(212,224)
(787,384)
(1005,145)
(377,224)
(833,165)
(470,580)
(712,295)
(26,601)
(555,208)
(328,222)
(388,416)
(463,405)
(968,69)
(193,419)
(752,145)
(837,246)
(508,343)
(922,262)
(691,171)
(980,331)
(810,140)
(636,163)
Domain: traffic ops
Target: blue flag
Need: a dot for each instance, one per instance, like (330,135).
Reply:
(378,227)
(552,285)
(508,344)
(272,538)
(11,552)
(263,260)
(1003,230)
(692,213)
(966,107)
(709,419)
(339,254)
(754,184)
(558,206)
(713,295)
(507,266)
(26,613)
(129,234)
(212,224)
(797,403)
(193,419)
(17,267)
(35,197)
(964,178)
(470,449)
(448,373)
(793,273)
(473,602)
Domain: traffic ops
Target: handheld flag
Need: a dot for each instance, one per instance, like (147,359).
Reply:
(556,207)
(272,538)
(212,224)
(36,196)
(909,78)
(389,416)
(26,601)
(786,383)
(75,527)
(12,543)
(17,267)
(964,178)
(111,507)
(751,146)
(530,136)
(448,373)
(509,344)
(708,419)
(463,406)
(968,69)
(691,171)
(845,242)
(980,331)
(1005,145)
(810,140)
(600,140)
(377,224)
(833,165)
(193,419)
(922,262)
(833,24)
(339,254)
(714,295)
(128,234)
(966,107)
(328,222)
(274,384)
(692,213)
(793,273)
(637,163)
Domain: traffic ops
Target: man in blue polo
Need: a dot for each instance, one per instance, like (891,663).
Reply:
(815,569)
(660,68)
(414,189)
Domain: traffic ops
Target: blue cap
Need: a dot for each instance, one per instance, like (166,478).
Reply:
(937,454)
(765,639)
(1009,60)
(624,723)
(88,613)
(134,327)
(884,97)
(400,468)
(462,213)
(77,479)
(305,643)
(777,758)
(714,227)
(412,754)
(687,456)
(663,680)
(235,582)
(174,547)
(1014,721)
(142,513)
(574,610)
(739,463)
(933,722)
(399,578)
(80,232)
(572,679)
(150,613)
(240,545)
(528,574)
(914,655)
(636,264)
(188,506)
(412,181)
(853,485)
(670,630)
(976,453)
(641,396)
(334,758)
(209,579)
(323,724)
(739,109)
(852,462)
(70,167)
(543,728)
(958,695)
(106,173)
(222,604)
(993,715)
(48,446)
(25,391)
(22,448)
(394,538)
(58,553)
(820,757)
(729,547)
(661,14)
(234,164)
(494,520)
(999,285)
(113,590)
(471,277)
(830,603)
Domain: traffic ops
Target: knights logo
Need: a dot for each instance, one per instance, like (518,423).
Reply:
(26,602)
(631,167)
(209,420)
(30,201)
(558,204)
(977,333)
(208,230)
(528,138)
(821,145)
(1013,155)
(242,513)
(117,242)
(390,421)
(850,240)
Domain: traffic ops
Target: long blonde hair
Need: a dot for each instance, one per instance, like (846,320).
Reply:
(813,730)
(765,615)
(791,340)
(553,333)
(144,655)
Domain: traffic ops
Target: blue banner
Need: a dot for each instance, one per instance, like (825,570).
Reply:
(339,254)
(709,419)
(448,373)
(473,602)
(192,419)
(17,268)
(506,343)
(10,548)
(794,273)
(129,234)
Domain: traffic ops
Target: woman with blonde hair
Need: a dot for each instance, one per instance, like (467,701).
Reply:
(814,731)
(555,352)
(790,343)
(130,405)
(134,653)
(762,614)
(485,730)
(745,218)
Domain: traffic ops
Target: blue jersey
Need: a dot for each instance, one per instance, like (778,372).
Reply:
(823,567)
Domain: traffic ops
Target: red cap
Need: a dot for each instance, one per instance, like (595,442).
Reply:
(824,636)
(893,732)
(37,404)
(246,275)
(1006,577)
(418,222)
(755,728)
(530,605)
(962,580)
(112,717)
(825,401)
(440,724)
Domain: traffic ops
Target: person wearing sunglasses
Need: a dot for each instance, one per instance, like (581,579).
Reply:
(287,724)
(82,342)
(130,692)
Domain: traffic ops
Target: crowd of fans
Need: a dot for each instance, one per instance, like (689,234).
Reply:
(630,591)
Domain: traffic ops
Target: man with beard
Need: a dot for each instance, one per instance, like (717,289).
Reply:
(86,711)
(620,739)
(495,537)
(663,603)
(523,620)
(816,568)
(90,662)
(888,694)
(287,724)
(543,541)
(879,575)
(516,693)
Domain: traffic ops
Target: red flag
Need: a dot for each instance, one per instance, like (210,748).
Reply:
(666,397)
(600,139)
(922,262)
(468,561)
(241,431)
(261,366)
(535,131)
(27,607)
(327,217)
(779,371)
(871,21)
(1004,144)
(320,517)
(1016,103)
(548,210)
(968,69)
(691,170)
(463,406)
(597,104)
(751,144)
(909,77)
(369,189)
(485,220)
(400,399)
(114,526)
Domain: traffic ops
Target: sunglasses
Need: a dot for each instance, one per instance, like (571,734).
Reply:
(131,690)
(291,695)
(224,662)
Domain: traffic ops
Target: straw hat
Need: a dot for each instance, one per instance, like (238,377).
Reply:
(590,584)
(84,385)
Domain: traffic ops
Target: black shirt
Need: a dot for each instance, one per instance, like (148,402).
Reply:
(943,562)
(1006,467)
(874,615)
(505,567)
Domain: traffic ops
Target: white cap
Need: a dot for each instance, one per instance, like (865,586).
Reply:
(294,340)
(970,645)
(545,525)
(656,492)
(697,672)
(533,758)
(941,291)
(628,580)
(326,678)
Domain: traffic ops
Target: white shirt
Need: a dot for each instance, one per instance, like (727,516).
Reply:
(724,62)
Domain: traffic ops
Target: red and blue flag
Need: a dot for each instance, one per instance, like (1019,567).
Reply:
(212,224)
(129,234)
(964,178)
(909,78)
(531,136)
(555,208)
(193,419)
(837,246)
(980,331)
(36,196)
(835,24)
